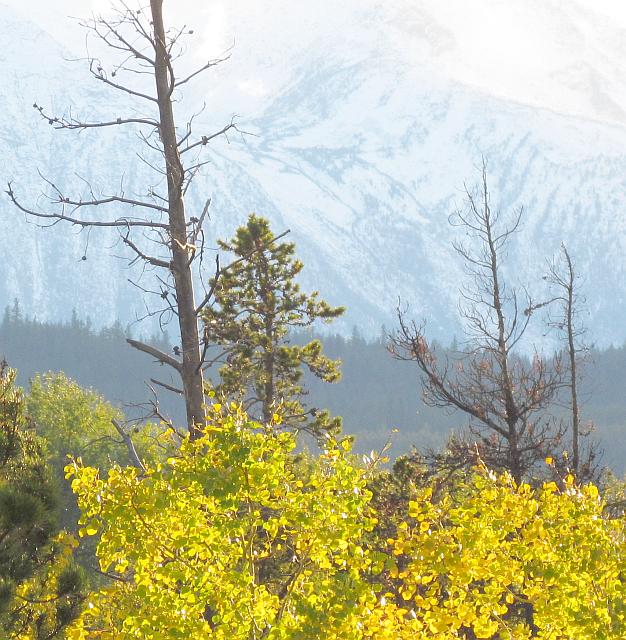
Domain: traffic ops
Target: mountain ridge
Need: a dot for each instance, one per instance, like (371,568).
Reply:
(363,158)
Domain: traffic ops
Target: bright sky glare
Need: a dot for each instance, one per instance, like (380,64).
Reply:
(567,56)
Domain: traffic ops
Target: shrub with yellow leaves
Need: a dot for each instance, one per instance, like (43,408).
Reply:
(230,539)
(223,540)
(498,560)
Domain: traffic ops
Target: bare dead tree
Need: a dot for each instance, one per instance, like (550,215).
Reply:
(566,320)
(504,395)
(155,227)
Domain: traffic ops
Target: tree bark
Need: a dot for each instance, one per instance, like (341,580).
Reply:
(502,349)
(191,368)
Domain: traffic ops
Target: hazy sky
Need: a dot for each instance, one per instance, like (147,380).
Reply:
(567,55)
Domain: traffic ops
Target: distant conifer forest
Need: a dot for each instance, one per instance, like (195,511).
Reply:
(378,398)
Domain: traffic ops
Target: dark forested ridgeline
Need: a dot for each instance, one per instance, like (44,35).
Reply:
(375,396)
(378,393)
(99,359)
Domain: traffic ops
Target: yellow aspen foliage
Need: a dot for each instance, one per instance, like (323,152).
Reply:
(230,539)
(224,540)
(497,560)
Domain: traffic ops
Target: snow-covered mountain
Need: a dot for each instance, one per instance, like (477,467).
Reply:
(362,150)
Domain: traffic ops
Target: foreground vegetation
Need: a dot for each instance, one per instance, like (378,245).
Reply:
(235,535)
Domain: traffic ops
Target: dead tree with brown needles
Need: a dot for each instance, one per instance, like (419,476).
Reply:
(156,227)
(505,396)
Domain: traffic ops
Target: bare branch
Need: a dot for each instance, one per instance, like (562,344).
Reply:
(132,452)
(204,140)
(156,262)
(208,65)
(162,357)
(110,200)
(71,123)
(57,217)
(169,387)
(127,17)
(100,75)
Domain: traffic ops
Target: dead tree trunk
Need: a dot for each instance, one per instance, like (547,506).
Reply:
(485,220)
(571,352)
(504,397)
(182,251)
(562,277)
(169,239)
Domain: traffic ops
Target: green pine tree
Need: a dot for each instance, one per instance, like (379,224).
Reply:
(257,302)
(40,587)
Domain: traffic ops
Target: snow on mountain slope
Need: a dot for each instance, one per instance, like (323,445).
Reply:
(361,152)
(43,267)
(565,56)
(378,153)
